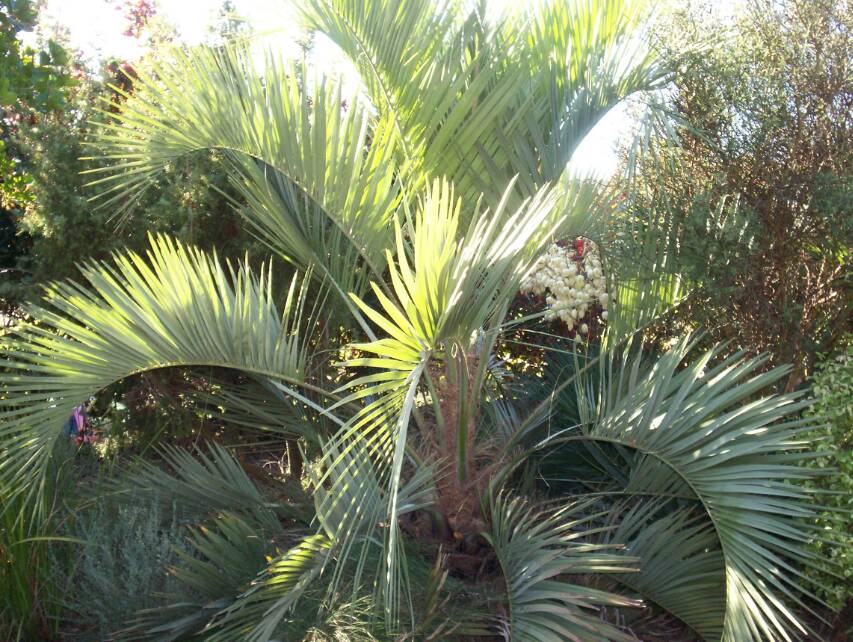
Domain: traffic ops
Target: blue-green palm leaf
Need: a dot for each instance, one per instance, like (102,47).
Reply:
(705,431)
(175,307)
(538,548)
(315,168)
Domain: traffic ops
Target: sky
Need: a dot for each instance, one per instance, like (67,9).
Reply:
(95,28)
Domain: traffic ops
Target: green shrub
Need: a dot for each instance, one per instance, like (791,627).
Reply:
(27,601)
(121,565)
(751,182)
(832,388)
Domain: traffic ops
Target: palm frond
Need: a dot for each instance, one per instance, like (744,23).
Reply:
(225,556)
(580,59)
(179,307)
(738,453)
(315,168)
(480,102)
(653,428)
(203,483)
(536,548)
(394,45)
(261,406)
(451,291)
(647,268)
(681,568)
(405,54)
(258,612)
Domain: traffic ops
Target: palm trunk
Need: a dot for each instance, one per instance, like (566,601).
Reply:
(459,488)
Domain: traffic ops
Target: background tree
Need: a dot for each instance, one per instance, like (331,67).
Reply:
(747,189)
(55,228)
(757,190)
(832,387)
(32,83)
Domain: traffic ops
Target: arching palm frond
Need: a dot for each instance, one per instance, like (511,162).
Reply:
(427,80)
(579,59)
(256,614)
(204,483)
(262,406)
(680,565)
(316,169)
(401,49)
(179,307)
(565,64)
(225,556)
(707,476)
(705,431)
(480,101)
(536,550)
(595,57)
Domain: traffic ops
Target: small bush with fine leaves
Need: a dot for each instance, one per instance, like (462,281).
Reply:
(118,566)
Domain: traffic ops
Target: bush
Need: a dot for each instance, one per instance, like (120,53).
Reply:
(65,229)
(756,193)
(120,566)
(832,388)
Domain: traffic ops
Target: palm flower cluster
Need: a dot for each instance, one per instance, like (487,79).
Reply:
(571,279)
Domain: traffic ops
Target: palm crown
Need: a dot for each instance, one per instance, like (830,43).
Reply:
(412,211)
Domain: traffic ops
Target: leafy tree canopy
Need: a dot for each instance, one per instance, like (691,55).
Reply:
(753,179)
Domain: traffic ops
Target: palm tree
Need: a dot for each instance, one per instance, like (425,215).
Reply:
(446,502)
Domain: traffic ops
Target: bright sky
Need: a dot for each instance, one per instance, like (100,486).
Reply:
(95,28)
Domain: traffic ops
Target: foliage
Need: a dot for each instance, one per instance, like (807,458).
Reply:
(25,600)
(32,83)
(65,231)
(29,603)
(449,500)
(832,386)
(11,244)
(116,566)
(752,179)
(533,551)
(35,78)
(50,223)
